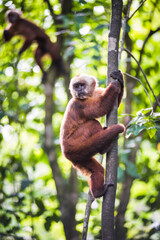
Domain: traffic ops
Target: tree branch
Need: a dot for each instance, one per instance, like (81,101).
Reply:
(155,105)
(124,23)
(86,217)
(124,49)
(144,43)
(142,85)
(137,9)
(88,210)
(51,10)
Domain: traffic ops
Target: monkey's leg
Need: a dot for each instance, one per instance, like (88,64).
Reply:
(97,143)
(26,45)
(96,180)
(113,133)
(38,55)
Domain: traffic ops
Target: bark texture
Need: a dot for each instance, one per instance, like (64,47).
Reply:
(112,155)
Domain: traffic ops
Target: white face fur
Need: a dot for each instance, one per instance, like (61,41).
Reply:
(89,83)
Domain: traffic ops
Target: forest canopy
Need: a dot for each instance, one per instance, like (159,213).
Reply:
(41,195)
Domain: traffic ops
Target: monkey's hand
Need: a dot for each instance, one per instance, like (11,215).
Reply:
(117,75)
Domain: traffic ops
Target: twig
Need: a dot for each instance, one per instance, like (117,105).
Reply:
(155,104)
(124,49)
(51,10)
(90,200)
(136,9)
(143,87)
(145,41)
(125,19)
(86,216)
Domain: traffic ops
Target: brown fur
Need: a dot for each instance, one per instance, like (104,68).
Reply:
(32,33)
(81,134)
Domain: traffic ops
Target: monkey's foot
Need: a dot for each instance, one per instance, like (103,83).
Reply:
(98,194)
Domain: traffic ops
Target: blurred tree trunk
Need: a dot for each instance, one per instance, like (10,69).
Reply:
(127,183)
(67,192)
(128,179)
(112,155)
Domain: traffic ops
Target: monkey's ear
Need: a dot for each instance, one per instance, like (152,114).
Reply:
(95,80)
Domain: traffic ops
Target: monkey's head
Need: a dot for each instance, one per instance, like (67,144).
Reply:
(82,86)
(13,16)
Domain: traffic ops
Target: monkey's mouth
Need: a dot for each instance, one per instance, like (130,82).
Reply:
(82,95)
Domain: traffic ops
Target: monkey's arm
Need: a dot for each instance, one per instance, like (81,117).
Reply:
(103,104)
(26,45)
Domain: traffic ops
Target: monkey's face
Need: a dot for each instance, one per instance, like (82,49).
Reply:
(7,35)
(80,90)
(82,86)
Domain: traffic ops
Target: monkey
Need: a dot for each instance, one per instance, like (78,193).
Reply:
(81,134)
(32,33)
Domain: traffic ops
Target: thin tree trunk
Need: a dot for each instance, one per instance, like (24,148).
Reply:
(67,191)
(112,156)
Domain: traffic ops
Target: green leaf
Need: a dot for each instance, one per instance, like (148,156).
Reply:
(25,183)
(151,132)
(139,129)
(146,110)
(102,26)
(131,169)
(135,129)
(128,28)
(120,174)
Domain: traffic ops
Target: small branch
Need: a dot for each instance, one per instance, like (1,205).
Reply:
(155,105)
(145,41)
(86,217)
(90,200)
(137,9)
(143,87)
(51,10)
(125,19)
(124,49)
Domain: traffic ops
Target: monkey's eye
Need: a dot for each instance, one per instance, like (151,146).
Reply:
(79,85)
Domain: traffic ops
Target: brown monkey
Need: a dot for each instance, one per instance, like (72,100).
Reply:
(32,33)
(81,135)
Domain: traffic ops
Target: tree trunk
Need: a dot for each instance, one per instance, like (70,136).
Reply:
(112,156)
(67,191)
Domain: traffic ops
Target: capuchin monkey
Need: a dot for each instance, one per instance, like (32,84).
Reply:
(81,135)
(32,33)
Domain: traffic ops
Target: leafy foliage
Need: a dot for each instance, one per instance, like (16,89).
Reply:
(144,120)
(29,206)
